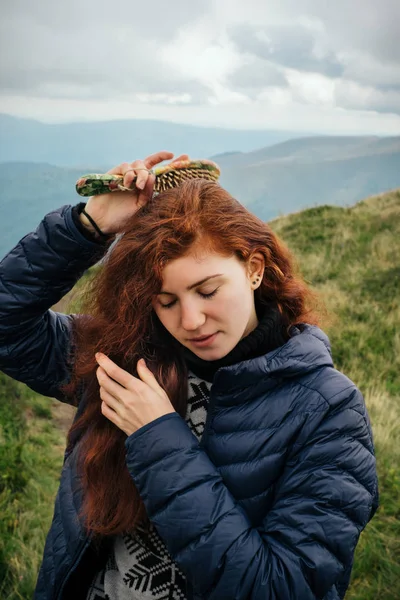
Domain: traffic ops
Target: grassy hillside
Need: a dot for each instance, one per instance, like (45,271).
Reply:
(31,451)
(351,256)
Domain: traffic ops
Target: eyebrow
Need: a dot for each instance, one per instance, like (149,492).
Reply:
(193,285)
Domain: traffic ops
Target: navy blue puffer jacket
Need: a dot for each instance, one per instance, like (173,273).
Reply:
(270,504)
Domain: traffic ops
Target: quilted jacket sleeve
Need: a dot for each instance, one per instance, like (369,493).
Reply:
(305,543)
(35,342)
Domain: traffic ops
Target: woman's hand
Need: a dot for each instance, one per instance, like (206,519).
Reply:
(129,402)
(112,211)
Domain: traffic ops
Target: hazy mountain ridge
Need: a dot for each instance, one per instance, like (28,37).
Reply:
(275,187)
(278,179)
(314,149)
(28,190)
(112,142)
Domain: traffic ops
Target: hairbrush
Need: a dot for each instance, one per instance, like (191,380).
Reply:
(167,176)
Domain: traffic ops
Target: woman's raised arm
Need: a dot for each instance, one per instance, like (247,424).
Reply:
(35,342)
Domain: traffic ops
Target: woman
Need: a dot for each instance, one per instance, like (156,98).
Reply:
(216,452)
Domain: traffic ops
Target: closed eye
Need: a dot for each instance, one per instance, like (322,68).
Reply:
(206,296)
(170,305)
(210,295)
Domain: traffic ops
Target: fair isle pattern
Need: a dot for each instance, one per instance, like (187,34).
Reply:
(164,580)
(140,567)
(198,397)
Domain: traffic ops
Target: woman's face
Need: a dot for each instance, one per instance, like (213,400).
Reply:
(207,303)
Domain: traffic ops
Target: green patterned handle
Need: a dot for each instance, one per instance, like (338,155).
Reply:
(167,176)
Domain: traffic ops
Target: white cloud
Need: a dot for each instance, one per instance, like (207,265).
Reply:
(303,64)
(256,74)
(351,94)
(311,88)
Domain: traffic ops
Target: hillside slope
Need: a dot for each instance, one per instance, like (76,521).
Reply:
(351,256)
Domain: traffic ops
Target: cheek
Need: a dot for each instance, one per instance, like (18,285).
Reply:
(238,311)
(235,305)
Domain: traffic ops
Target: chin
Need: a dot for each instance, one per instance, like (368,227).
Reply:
(212,353)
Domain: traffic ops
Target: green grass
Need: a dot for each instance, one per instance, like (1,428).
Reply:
(31,454)
(351,257)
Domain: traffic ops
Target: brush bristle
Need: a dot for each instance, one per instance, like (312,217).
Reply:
(175,177)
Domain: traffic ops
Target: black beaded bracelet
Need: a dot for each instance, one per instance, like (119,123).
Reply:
(104,236)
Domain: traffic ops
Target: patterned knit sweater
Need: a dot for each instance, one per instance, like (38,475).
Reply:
(139,566)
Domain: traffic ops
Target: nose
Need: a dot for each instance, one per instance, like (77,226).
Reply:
(192,317)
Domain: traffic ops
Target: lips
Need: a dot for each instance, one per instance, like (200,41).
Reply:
(202,338)
(203,341)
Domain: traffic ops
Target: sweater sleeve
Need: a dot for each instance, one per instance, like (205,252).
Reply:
(305,543)
(35,342)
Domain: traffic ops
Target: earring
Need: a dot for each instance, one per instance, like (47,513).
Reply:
(256,281)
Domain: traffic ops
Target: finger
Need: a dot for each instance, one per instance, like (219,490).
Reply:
(120,169)
(139,171)
(181,157)
(114,371)
(153,160)
(142,177)
(147,192)
(110,401)
(131,171)
(147,376)
(109,385)
(110,414)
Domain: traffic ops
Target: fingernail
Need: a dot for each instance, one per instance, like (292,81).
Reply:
(140,185)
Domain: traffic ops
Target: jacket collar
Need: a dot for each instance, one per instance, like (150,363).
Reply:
(308,349)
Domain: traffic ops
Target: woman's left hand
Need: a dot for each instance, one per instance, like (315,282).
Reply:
(129,402)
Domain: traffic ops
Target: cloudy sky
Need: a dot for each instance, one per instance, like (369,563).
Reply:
(308,65)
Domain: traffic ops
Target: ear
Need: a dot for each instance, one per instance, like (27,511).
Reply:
(255,269)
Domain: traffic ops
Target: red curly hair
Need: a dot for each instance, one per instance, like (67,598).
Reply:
(123,325)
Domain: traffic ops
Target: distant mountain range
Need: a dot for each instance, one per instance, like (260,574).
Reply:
(276,179)
(306,172)
(109,143)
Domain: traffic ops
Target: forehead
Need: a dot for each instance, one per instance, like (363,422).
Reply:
(188,269)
